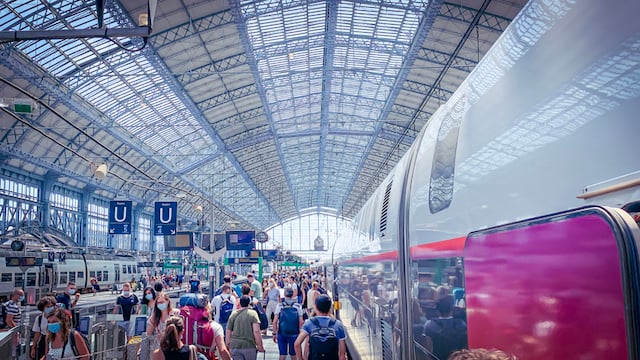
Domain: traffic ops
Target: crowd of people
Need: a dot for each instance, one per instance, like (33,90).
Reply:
(293,306)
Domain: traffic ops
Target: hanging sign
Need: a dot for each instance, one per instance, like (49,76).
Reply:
(120,215)
(166,218)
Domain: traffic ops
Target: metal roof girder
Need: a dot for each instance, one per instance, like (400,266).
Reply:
(191,28)
(227,96)
(430,14)
(55,169)
(420,88)
(241,26)
(214,68)
(441,58)
(458,12)
(173,84)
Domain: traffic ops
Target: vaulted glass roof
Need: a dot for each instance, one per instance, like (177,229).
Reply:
(256,109)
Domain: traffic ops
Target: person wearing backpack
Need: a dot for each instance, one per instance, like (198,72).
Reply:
(223,306)
(255,305)
(39,330)
(62,341)
(226,280)
(447,333)
(327,336)
(243,336)
(286,324)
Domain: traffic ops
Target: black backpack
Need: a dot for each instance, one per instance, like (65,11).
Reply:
(74,347)
(264,321)
(3,316)
(288,322)
(451,337)
(323,341)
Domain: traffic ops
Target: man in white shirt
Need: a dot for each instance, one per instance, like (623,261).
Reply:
(223,306)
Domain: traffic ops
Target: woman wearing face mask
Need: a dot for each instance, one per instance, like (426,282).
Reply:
(149,299)
(58,342)
(39,329)
(161,312)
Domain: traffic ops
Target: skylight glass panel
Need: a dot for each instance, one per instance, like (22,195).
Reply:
(56,56)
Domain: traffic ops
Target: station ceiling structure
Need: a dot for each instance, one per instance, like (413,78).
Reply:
(261,110)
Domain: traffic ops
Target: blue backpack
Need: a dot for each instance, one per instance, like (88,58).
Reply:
(226,308)
(288,322)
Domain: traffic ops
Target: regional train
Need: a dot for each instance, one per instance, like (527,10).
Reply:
(57,271)
(494,205)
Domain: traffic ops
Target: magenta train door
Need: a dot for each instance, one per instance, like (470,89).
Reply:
(563,286)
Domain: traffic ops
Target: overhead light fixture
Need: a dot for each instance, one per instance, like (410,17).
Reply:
(99,170)
(4,103)
(291,56)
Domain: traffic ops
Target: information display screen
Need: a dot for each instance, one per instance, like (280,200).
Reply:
(179,241)
(241,240)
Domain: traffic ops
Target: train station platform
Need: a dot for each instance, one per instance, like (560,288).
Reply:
(270,347)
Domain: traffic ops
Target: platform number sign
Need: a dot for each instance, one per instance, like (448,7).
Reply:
(61,257)
(120,215)
(51,256)
(166,218)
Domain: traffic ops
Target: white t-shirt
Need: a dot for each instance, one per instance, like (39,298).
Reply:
(217,302)
(40,326)
(311,298)
(217,331)
(295,305)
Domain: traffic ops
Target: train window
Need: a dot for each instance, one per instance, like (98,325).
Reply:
(124,269)
(63,278)
(92,274)
(80,274)
(99,278)
(444,158)
(31,279)
(19,281)
(72,276)
(129,268)
(105,276)
(436,285)
(7,277)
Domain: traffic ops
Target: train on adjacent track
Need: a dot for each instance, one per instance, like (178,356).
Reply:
(483,206)
(56,272)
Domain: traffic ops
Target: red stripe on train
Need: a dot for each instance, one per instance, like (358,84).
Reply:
(441,249)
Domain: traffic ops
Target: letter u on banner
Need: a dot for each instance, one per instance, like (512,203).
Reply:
(168,219)
(124,214)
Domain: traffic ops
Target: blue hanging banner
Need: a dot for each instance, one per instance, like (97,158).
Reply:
(120,216)
(51,256)
(62,256)
(166,218)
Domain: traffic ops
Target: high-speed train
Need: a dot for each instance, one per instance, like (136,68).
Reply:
(498,202)
(55,273)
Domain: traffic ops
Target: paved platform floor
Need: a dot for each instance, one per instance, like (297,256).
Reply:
(271,348)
